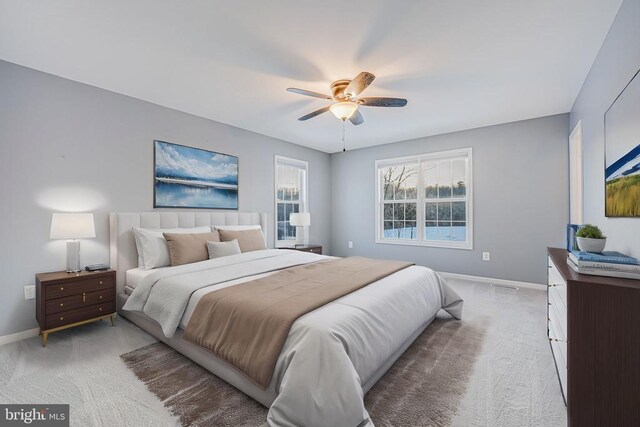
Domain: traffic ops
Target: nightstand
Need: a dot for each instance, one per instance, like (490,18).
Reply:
(65,300)
(316,249)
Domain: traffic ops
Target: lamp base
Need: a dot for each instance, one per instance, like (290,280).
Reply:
(73,256)
(302,236)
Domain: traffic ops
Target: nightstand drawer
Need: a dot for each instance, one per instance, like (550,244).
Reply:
(79,300)
(79,314)
(314,249)
(61,290)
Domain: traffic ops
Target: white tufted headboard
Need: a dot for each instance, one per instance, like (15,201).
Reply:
(122,247)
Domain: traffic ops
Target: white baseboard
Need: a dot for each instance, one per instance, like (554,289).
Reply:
(504,282)
(18,336)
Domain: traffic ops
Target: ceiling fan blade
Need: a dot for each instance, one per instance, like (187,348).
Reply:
(315,113)
(357,85)
(382,102)
(356,118)
(308,93)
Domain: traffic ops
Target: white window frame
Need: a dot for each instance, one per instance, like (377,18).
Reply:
(304,202)
(575,175)
(420,213)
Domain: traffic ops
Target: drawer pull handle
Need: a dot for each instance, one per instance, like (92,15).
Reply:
(61,305)
(100,296)
(84,299)
(556,339)
(100,309)
(62,318)
(101,282)
(554,286)
(61,288)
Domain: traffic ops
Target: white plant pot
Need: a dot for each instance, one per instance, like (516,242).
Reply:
(587,244)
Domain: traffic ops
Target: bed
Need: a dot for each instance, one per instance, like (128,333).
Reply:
(332,356)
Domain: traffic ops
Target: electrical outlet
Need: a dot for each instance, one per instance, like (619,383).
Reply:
(350,244)
(486,256)
(30,292)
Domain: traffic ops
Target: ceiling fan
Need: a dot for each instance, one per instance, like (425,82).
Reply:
(346,102)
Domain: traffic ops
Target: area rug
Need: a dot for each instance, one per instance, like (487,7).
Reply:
(423,388)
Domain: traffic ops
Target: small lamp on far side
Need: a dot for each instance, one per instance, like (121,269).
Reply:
(300,220)
(72,226)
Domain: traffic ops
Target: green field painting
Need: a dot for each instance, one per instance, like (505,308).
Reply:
(623,196)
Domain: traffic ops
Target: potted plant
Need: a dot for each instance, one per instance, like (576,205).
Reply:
(590,239)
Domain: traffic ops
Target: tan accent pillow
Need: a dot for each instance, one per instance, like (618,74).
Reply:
(248,240)
(188,248)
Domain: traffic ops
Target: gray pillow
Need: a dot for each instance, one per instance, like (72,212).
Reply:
(220,249)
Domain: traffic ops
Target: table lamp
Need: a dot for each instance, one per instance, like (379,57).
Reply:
(300,220)
(72,226)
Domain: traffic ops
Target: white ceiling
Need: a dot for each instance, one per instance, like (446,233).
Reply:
(461,64)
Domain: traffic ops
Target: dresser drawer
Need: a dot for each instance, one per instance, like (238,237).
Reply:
(558,342)
(558,312)
(79,314)
(61,290)
(79,300)
(561,364)
(556,281)
(558,318)
(315,251)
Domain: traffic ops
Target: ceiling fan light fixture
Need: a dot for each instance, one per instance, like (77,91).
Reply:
(343,110)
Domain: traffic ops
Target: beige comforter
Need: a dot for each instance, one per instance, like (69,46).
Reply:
(247,324)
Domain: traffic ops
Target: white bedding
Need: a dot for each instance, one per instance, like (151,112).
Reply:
(135,275)
(330,352)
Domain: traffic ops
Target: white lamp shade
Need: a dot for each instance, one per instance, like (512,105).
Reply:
(343,110)
(300,219)
(72,226)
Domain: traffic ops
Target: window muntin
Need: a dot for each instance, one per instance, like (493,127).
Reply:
(437,215)
(291,196)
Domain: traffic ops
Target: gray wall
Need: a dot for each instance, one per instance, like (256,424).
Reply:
(615,65)
(65,146)
(520,191)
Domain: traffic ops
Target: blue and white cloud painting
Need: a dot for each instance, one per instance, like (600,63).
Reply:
(187,177)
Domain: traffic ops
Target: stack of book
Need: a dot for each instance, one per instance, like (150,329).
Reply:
(608,263)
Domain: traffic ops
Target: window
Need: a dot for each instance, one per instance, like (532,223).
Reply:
(425,200)
(291,196)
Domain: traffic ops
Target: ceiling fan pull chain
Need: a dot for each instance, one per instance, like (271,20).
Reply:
(344,148)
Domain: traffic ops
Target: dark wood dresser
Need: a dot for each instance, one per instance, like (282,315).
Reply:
(65,300)
(594,332)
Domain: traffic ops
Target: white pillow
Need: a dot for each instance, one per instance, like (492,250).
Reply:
(220,249)
(153,251)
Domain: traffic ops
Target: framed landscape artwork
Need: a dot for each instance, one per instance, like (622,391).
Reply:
(187,177)
(622,153)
